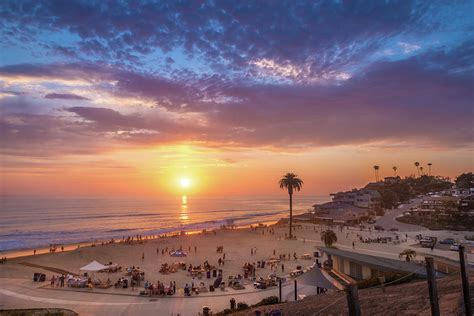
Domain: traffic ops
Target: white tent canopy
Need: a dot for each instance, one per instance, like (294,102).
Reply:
(94,266)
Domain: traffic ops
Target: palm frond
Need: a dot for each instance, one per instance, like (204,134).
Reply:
(291,180)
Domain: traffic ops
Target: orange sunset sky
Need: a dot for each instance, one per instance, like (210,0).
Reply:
(126,101)
(157,170)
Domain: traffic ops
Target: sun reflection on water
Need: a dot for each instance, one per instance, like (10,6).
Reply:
(184,209)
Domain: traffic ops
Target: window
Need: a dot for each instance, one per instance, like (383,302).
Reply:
(355,270)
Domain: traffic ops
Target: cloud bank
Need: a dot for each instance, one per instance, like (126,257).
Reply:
(262,74)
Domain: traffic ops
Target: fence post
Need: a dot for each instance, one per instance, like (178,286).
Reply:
(433,290)
(279,288)
(353,300)
(296,290)
(465,282)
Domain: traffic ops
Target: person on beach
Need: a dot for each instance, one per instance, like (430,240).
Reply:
(353,245)
(195,249)
(174,287)
(157,250)
(143,256)
(223,257)
(34,252)
(282,268)
(53,280)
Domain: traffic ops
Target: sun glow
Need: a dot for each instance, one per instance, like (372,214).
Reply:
(184,183)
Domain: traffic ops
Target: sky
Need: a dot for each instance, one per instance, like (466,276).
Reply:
(118,98)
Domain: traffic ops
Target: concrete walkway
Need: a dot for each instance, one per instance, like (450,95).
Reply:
(389,220)
(18,293)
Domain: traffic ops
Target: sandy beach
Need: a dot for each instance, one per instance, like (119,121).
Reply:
(237,243)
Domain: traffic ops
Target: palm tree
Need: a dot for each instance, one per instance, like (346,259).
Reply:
(328,237)
(290,181)
(429,168)
(376,169)
(395,170)
(409,254)
(417,165)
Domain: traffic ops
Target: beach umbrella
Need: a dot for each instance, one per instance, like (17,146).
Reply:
(94,266)
(314,277)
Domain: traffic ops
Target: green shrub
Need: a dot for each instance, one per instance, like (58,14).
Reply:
(241,306)
(268,301)
(389,277)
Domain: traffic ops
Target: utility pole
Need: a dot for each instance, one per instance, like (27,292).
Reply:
(431,274)
(296,290)
(279,288)
(465,282)
(353,300)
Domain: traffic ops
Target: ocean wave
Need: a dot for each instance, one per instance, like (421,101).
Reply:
(86,222)
(120,230)
(110,215)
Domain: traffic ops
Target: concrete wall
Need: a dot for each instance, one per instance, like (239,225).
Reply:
(366,272)
(347,267)
(344,266)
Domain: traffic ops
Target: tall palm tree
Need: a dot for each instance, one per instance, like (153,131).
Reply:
(409,254)
(395,170)
(376,169)
(291,182)
(417,165)
(328,237)
(429,168)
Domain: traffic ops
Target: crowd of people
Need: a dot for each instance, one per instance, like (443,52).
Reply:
(159,288)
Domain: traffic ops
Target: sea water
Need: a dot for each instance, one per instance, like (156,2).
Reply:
(38,222)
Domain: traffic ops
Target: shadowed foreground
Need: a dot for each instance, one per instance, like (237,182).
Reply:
(405,299)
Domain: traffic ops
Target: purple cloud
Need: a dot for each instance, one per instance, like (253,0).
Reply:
(400,100)
(230,34)
(65,96)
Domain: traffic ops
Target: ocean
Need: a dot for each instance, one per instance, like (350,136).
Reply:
(27,223)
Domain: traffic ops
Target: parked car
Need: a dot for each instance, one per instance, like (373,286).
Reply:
(467,241)
(454,247)
(447,241)
(427,242)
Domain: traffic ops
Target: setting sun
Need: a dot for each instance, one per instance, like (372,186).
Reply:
(185,182)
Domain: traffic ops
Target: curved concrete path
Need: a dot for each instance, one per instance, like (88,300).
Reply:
(15,293)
